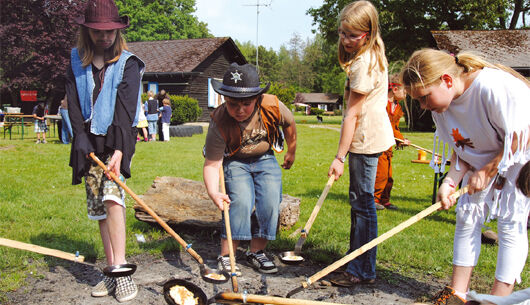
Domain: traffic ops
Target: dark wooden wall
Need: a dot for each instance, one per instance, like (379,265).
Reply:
(213,67)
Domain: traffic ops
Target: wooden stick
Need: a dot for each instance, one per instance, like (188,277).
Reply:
(149,211)
(379,239)
(42,250)
(419,147)
(264,299)
(228,232)
(316,209)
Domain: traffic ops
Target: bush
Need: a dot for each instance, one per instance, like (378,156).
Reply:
(337,112)
(144,97)
(316,111)
(184,109)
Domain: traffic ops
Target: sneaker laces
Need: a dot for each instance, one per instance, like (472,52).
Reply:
(262,258)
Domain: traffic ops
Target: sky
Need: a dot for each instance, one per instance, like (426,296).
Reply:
(277,21)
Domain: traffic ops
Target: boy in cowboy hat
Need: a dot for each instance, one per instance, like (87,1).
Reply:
(103,91)
(242,135)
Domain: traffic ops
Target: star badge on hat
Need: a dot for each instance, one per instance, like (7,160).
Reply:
(236,76)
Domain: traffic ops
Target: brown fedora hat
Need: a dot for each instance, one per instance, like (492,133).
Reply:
(102,15)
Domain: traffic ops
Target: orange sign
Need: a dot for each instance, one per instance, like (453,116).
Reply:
(28,96)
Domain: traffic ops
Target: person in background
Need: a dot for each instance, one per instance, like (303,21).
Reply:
(481,110)
(142,125)
(365,131)
(242,135)
(151,105)
(39,111)
(160,97)
(165,118)
(66,129)
(383,178)
(103,84)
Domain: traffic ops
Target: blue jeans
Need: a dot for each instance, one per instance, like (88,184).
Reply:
(363,169)
(253,182)
(66,130)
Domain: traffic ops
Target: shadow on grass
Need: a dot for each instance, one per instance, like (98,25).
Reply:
(83,273)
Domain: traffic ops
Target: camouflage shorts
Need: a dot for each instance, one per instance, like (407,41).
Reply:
(100,189)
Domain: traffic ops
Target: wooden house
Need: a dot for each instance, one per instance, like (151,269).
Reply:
(186,67)
(325,101)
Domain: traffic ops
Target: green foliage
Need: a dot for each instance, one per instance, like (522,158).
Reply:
(406,24)
(144,97)
(162,20)
(184,109)
(316,111)
(285,93)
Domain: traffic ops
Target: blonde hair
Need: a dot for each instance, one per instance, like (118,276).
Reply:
(362,16)
(85,47)
(426,66)
(150,93)
(166,102)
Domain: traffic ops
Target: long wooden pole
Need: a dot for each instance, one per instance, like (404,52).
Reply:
(228,232)
(311,220)
(419,147)
(264,299)
(42,250)
(402,226)
(149,211)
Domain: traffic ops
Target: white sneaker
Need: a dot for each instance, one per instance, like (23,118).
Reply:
(223,264)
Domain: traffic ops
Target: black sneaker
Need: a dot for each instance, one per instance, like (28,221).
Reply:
(261,262)
(390,206)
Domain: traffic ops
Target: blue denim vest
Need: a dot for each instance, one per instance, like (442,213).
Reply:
(102,113)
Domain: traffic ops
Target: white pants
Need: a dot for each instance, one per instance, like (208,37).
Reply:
(165,131)
(513,243)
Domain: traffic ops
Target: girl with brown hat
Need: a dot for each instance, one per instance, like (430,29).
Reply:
(103,89)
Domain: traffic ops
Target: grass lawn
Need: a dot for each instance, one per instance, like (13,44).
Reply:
(38,205)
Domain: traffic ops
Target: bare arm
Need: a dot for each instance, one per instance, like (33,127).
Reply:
(211,181)
(355,101)
(450,182)
(290,137)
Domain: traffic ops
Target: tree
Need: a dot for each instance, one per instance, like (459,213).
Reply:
(162,20)
(36,37)
(406,24)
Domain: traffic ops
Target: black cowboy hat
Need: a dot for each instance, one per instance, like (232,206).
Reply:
(240,82)
(102,15)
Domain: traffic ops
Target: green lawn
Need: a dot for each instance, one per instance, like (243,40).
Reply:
(39,205)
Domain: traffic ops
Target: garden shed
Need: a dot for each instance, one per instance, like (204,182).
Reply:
(186,67)
(508,47)
(323,101)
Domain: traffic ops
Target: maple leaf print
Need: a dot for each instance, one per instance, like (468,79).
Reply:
(460,140)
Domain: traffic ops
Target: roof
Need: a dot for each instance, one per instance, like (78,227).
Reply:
(508,47)
(317,98)
(170,56)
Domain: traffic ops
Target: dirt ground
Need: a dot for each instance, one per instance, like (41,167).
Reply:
(71,283)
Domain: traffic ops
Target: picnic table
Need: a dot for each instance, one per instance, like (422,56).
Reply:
(20,120)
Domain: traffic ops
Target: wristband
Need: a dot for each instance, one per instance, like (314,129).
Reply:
(341,159)
(449,181)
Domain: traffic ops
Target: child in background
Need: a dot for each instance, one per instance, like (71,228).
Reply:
(365,130)
(41,127)
(383,178)
(151,105)
(142,125)
(103,84)
(481,110)
(165,118)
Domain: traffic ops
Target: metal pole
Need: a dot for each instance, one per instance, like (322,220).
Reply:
(257,31)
